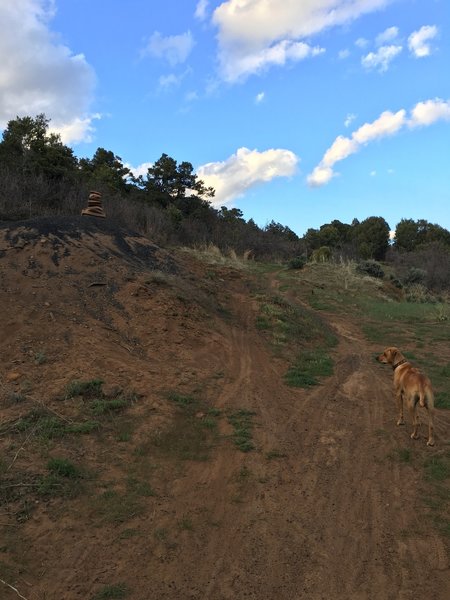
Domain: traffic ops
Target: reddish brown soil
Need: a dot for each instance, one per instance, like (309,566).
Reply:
(317,511)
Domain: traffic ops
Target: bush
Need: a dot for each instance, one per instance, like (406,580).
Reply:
(298,262)
(371,268)
(415,275)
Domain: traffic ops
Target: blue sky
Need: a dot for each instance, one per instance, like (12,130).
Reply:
(301,111)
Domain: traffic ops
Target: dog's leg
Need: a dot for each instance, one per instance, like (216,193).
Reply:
(430,441)
(414,418)
(422,399)
(399,398)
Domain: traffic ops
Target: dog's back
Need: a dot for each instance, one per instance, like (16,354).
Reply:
(414,384)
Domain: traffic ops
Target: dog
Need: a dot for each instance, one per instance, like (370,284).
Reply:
(414,387)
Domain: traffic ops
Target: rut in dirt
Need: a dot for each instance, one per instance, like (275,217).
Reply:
(328,519)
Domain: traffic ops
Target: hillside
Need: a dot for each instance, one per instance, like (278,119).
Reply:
(151,447)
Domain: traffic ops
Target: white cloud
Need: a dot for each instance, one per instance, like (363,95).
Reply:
(430,111)
(372,173)
(175,49)
(191,96)
(169,81)
(342,54)
(257,62)
(260,97)
(388,35)
(418,41)
(40,74)
(76,131)
(388,123)
(201,10)
(245,170)
(254,34)
(140,169)
(349,119)
(381,58)
(361,43)
(320,176)
(340,149)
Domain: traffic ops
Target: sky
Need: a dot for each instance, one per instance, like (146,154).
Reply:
(297,111)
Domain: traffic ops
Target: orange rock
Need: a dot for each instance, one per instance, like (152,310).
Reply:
(12,376)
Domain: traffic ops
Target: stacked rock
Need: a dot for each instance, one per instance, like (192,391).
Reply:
(94,207)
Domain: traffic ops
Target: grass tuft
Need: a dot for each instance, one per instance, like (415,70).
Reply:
(112,592)
(242,422)
(309,367)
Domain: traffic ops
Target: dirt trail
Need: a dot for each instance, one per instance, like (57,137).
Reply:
(332,518)
(318,511)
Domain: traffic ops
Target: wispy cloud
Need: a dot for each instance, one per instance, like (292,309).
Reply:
(260,97)
(254,35)
(419,41)
(342,54)
(278,54)
(349,119)
(201,10)
(244,170)
(39,74)
(381,59)
(362,43)
(388,35)
(174,49)
(388,123)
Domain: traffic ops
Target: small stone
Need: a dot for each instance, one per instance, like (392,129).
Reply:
(12,376)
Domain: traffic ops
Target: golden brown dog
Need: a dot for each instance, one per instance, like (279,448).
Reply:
(410,385)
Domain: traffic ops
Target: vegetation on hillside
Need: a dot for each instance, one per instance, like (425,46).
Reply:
(41,176)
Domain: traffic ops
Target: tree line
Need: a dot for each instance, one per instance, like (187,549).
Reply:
(41,176)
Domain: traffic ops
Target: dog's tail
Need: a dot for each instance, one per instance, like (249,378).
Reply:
(422,397)
(426,398)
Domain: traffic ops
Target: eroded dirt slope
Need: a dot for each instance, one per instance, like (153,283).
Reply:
(316,511)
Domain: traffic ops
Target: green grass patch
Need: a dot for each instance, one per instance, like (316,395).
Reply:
(140,487)
(274,454)
(63,479)
(309,367)
(112,592)
(107,406)
(242,423)
(87,389)
(287,325)
(114,507)
(48,426)
(193,431)
(437,468)
(182,400)
(442,400)
(401,455)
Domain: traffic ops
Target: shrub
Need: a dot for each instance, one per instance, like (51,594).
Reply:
(415,275)
(371,268)
(298,262)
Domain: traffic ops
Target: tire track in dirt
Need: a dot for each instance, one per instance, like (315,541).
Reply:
(332,517)
(335,518)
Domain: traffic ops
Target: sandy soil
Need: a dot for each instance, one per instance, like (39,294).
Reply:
(316,512)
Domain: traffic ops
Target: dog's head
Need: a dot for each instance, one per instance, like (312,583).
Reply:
(390,356)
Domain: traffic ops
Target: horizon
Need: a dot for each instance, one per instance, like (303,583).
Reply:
(300,114)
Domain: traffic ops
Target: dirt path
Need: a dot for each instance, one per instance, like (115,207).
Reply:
(332,517)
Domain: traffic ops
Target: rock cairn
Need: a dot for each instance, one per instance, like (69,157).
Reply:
(94,207)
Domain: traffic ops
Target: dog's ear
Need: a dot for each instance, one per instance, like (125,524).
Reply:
(394,354)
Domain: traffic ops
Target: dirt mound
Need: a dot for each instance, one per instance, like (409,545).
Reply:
(152,450)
